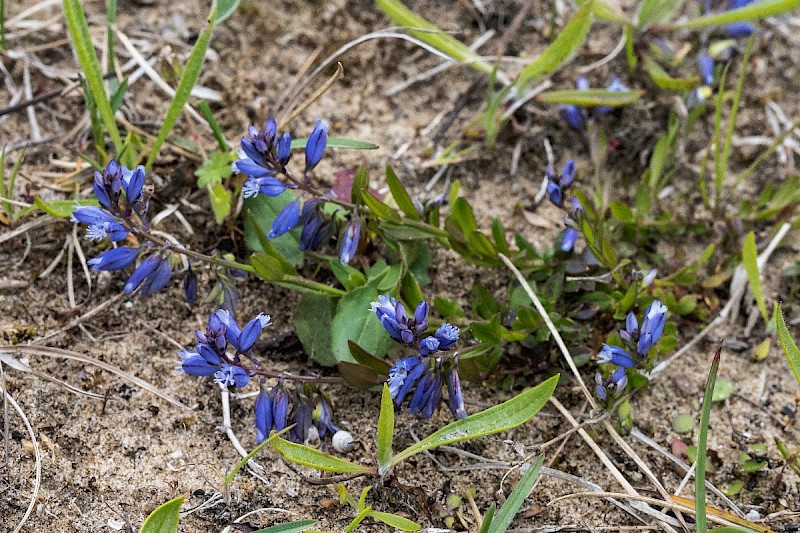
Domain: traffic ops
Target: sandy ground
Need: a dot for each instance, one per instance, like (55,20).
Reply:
(111,460)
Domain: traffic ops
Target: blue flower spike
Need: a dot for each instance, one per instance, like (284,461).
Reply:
(263,415)
(114,259)
(616,356)
(455,399)
(287,220)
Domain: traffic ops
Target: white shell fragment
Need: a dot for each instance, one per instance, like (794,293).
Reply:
(342,441)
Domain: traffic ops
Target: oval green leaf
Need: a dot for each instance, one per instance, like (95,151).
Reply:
(289,527)
(307,456)
(787,343)
(503,417)
(165,518)
(385,431)
(61,208)
(395,521)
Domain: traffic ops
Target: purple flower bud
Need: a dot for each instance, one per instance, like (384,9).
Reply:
(582,83)
(568,240)
(302,419)
(251,151)
(573,115)
(157,279)
(739,29)
(323,417)
(210,354)
(652,327)
(280,407)
(134,186)
(631,325)
(145,269)
(706,67)
(195,365)
(190,287)
(403,377)
(249,335)
(263,415)
(428,345)
(555,193)
(600,389)
(249,167)
(315,147)
(421,316)
(270,131)
(577,208)
(316,230)
(101,192)
(286,220)
(349,242)
(567,174)
(427,395)
(114,259)
(454,397)
(285,148)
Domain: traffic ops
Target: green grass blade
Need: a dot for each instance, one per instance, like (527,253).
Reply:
(590,97)
(737,96)
(188,79)
(337,142)
(517,497)
(754,11)
(165,518)
(561,51)
(307,456)
(719,172)
(505,416)
(111,18)
(433,36)
(400,195)
(229,478)
(205,110)
(289,527)
(701,525)
(395,521)
(385,432)
(750,262)
(87,57)
(657,11)
(487,518)
(787,343)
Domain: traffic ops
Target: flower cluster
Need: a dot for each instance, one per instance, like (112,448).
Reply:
(610,386)
(556,187)
(307,409)
(220,349)
(638,339)
(264,158)
(225,350)
(122,216)
(576,117)
(421,376)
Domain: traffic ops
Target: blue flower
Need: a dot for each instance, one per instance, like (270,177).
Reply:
(287,219)
(114,259)
(573,116)
(263,415)
(315,146)
(316,229)
(447,335)
(455,399)
(612,385)
(196,365)
(349,242)
(280,407)
(153,274)
(616,356)
(101,223)
(323,416)
(284,148)
(231,376)
(428,345)
(568,239)
(426,395)
(705,65)
(557,185)
(652,327)
(190,287)
(403,377)
(266,185)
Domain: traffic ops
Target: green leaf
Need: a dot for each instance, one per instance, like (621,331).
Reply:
(165,518)
(406,231)
(87,57)
(561,51)
(517,497)
(360,184)
(214,169)
(756,10)
(365,358)
(307,456)
(191,71)
(431,35)
(220,198)
(354,322)
(397,522)
(590,97)
(225,8)
(750,262)
(288,527)
(378,208)
(657,11)
(702,440)
(312,320)
(661,78)
(358,519)
(503,417)
(488,518)
(264,210)
(61,208)
(723,389)
(400,195)
(337,142)
(385,432)
(787,343)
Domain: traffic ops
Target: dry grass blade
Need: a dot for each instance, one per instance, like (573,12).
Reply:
(38,481)
(66,354)
(20,366)
(314,97)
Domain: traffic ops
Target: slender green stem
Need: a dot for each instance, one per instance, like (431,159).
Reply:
(111,18)
(701,524)
(213,260)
